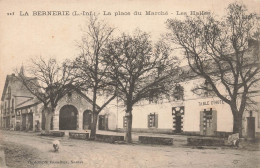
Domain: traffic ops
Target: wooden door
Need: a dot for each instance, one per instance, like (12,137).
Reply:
(208,122)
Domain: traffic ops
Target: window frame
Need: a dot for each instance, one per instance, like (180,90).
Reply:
(154,121)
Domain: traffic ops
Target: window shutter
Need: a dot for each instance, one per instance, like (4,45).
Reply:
(156,120)
(201,122)
(106,123)
(125,122)
(148,121)
(214,120)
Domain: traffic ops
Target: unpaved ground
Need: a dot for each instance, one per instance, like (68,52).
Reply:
(26,150)
(17,155)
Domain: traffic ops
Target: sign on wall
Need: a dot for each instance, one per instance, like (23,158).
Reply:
(213,102)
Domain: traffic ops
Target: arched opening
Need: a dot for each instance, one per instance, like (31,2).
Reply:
(23,121)
(68,118)
(43,120)
(87,115)
(103,122)
(30,122)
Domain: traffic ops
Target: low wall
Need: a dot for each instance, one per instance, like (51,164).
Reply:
(191,133)
(223,134)
(76,135)
(155,140)
(148,130)
(109,138)
(205,141)
(53,133)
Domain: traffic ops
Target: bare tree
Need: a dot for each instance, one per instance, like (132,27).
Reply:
(138,68)
(225,52)
(90,69)
(49,82)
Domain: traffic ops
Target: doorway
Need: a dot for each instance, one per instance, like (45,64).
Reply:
(177,114)
(87,118)
(23,121)
(43,120)
(68,118)
(208,122)
(102,122)
(30,122)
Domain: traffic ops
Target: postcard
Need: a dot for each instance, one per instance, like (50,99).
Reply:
(130,83)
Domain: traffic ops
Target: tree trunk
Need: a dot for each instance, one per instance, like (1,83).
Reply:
(129,119)
(237,123)
(48,116)
(94,115)
(94,126)
(128,135)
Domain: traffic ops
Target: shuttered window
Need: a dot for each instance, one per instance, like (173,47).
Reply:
(124,122)
(152,120)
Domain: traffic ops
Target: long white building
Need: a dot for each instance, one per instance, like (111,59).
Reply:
(187,113)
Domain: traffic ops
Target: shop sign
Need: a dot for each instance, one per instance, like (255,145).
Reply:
(213,102)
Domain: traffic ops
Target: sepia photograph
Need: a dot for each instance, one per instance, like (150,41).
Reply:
(130,83)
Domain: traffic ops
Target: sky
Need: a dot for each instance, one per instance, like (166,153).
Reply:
(24,37)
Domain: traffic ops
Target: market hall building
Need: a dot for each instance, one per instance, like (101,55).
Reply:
(20,110)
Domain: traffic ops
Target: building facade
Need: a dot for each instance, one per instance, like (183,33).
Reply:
(188,113)
(18,105)
(22,111)
(183,113)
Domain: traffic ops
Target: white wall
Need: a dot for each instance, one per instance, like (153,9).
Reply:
(192,114)
(192,103)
